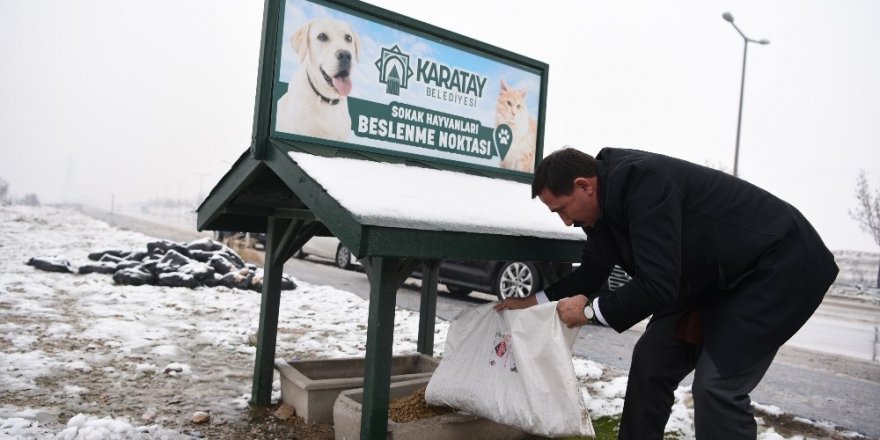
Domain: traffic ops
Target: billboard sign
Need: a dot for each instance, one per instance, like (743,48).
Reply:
(354,79)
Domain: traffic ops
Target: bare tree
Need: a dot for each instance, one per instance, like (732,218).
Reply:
(30,199)
(4,190)
(867,214)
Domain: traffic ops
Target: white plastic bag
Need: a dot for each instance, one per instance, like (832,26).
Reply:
(512,367)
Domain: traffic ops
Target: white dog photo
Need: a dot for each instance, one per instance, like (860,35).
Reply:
(316,101)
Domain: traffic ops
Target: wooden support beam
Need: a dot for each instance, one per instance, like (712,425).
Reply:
(289,234)
(294,239)
(380,332)
(265,79)
(268,331)
(428,307)
(250,211)
(403,242)
(405,269)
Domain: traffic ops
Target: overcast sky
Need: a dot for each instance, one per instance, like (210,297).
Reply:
(130,101)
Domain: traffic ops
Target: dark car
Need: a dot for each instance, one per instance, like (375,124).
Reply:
(500,278)
(506,279)
(503,279)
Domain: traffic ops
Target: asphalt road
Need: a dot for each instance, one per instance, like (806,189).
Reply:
(841,390)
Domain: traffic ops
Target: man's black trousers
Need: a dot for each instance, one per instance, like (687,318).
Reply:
(722,407)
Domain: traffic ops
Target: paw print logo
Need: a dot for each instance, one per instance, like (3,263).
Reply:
(504,134)
(502,137)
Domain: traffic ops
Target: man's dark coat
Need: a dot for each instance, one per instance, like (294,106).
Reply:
(693,237)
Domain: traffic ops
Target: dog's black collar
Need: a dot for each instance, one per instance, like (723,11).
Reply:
(323,98)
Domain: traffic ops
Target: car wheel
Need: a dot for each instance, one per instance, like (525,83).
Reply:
(456,290)
(515,279)
(343,257)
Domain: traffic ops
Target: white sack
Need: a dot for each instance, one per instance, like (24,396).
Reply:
(512,367)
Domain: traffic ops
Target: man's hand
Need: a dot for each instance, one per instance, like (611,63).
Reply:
(516,303)
(571,311)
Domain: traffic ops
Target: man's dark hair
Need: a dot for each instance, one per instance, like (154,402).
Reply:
(558,170)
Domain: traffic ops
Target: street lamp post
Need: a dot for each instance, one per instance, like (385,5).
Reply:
(746,40)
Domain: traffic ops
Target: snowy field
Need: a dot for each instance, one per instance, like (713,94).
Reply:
(83,358)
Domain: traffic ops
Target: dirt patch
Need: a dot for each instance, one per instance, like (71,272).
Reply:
(261,424)
(790,426)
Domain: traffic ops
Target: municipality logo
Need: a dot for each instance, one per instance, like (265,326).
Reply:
(394,70)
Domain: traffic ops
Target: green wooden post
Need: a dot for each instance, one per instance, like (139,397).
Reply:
(428,307)
(380,332)
(264,366)
(265,75)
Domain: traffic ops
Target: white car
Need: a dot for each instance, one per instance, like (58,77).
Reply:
(329,248)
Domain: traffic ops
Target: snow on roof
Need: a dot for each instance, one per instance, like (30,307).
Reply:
(396,195)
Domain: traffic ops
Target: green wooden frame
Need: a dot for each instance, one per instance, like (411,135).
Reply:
(266,191)
(389,254)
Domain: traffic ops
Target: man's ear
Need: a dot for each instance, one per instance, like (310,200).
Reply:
(584,184)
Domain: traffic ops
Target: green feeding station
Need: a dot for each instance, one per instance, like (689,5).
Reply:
(409,143)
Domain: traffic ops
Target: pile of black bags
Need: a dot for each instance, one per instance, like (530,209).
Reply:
(202,262)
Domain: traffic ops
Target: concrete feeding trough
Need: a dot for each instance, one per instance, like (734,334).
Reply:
(311,386)
(457,425)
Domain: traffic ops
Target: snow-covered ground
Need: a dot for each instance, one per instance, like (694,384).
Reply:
(84,358)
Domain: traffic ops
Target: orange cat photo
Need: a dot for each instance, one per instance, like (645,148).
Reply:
(511,109)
